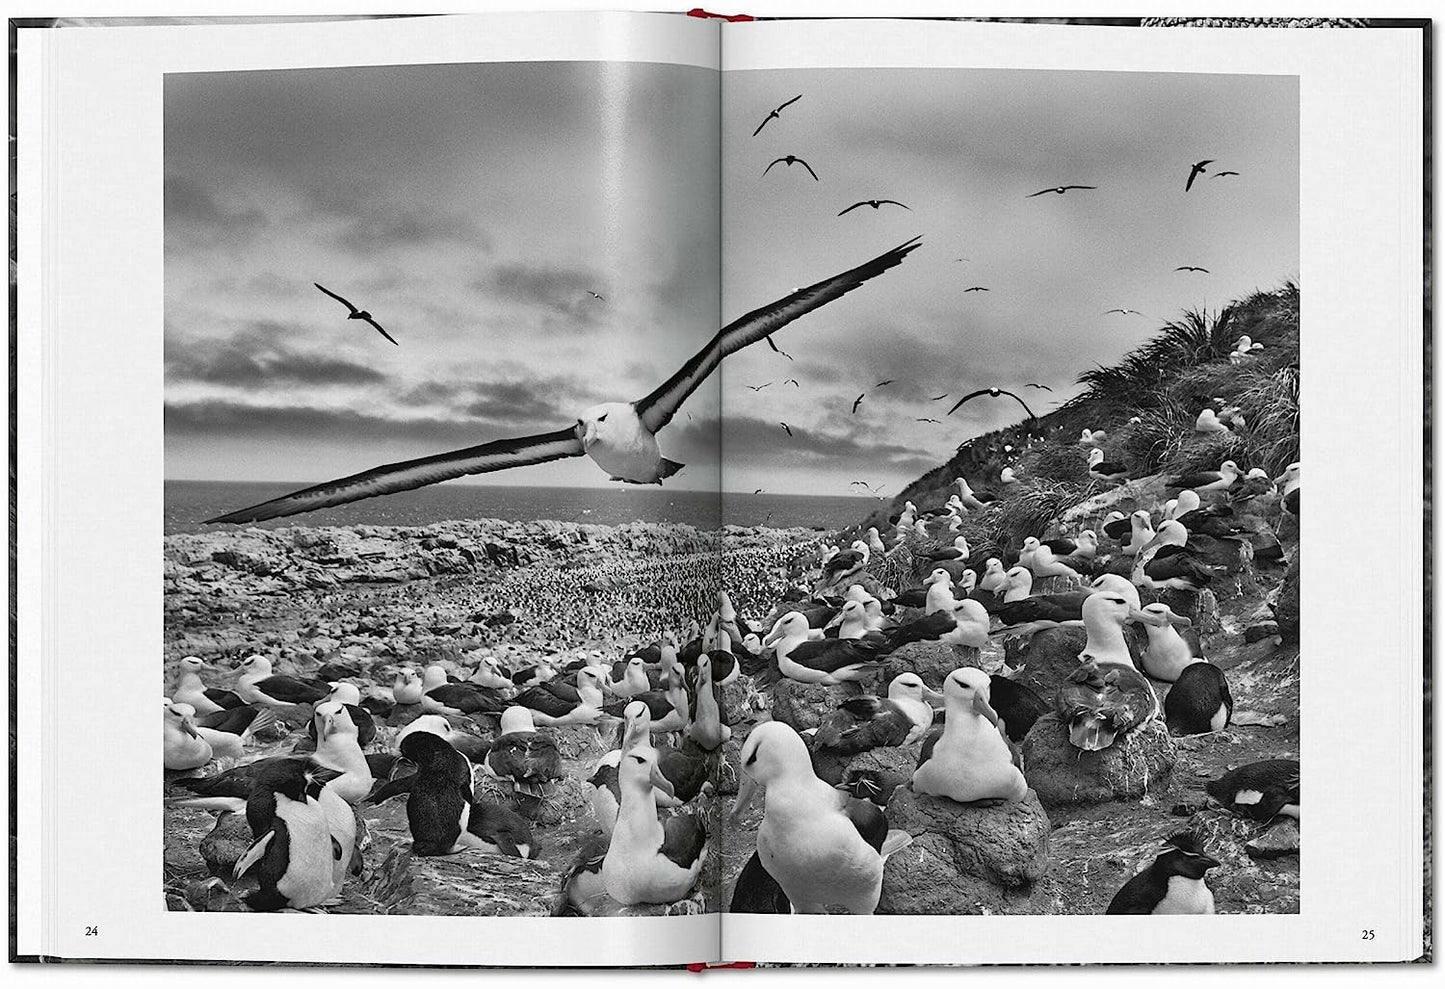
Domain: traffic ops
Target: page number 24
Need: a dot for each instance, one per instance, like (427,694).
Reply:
(92,932)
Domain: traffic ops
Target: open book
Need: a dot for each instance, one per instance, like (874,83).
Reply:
(631,489)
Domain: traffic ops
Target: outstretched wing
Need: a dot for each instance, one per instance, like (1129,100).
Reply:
(381,331)
(658,408)
(851,208)
(896,203)
(770,165)
(970,395)
(775,348)
(808,167)
(391,478)
(335,296)
(762,125)
(790,102)
(1020,401)
(1039,193)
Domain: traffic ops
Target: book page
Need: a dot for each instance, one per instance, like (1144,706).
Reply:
(432,249)
(1075,416)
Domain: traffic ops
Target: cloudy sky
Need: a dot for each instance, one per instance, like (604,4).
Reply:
(472,208)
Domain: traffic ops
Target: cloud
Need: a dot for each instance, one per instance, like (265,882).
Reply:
(381,228)
(557,291)
(197,215)
(257,357)
(320,425)
(754,443)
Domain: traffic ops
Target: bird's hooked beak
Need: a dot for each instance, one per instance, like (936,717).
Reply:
(661,782)
(836,620)
(189,729)
(1180,620)
(747,790)
(1148,618)
(771,639)
(587,431)
(933,697)
(982,709)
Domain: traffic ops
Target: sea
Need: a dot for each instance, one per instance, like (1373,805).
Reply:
(189,503)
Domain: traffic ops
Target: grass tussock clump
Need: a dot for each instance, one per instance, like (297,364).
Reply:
(1031,511)
(1060,464)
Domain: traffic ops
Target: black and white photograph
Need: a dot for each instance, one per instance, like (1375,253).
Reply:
(602,489)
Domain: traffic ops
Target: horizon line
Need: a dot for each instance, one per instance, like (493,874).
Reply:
(562,487)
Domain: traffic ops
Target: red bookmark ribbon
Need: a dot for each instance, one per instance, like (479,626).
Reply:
(732,18)
(696,967)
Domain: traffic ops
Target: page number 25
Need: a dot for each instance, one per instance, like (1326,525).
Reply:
(1367,935)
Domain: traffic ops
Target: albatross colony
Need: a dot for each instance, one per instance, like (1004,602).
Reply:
(969,709)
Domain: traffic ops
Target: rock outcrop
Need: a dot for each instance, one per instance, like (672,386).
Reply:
(807,705)
(933,661)
(1135,765)
(964,858)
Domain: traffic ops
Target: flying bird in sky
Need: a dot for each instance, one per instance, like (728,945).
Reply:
(1223,173)
(975,288)
(791,160)
(1059,190)
(792,381)
(1123,312)
(928,420)
(595,296)
(956,260)
(939,398)
(355,312)
(992,393)
(1043,387)
(875,203)
(1195,170)
(757,491)
(871,489)
(857,402)
(760,387)
(620,437)
(889,381)
(775,347)
(776,113)
(1191,267)
(785,428)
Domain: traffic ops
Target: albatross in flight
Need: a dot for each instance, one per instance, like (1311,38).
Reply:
(621,437)
(992,393)
(356,313)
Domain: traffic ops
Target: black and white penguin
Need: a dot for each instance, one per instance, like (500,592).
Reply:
(875,785)
(581,892)
(1172,883)
(1199,701)
(1260,790)
(758,892)
(442,813)
(303,835)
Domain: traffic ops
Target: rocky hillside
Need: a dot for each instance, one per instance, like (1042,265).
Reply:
(1147,404)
